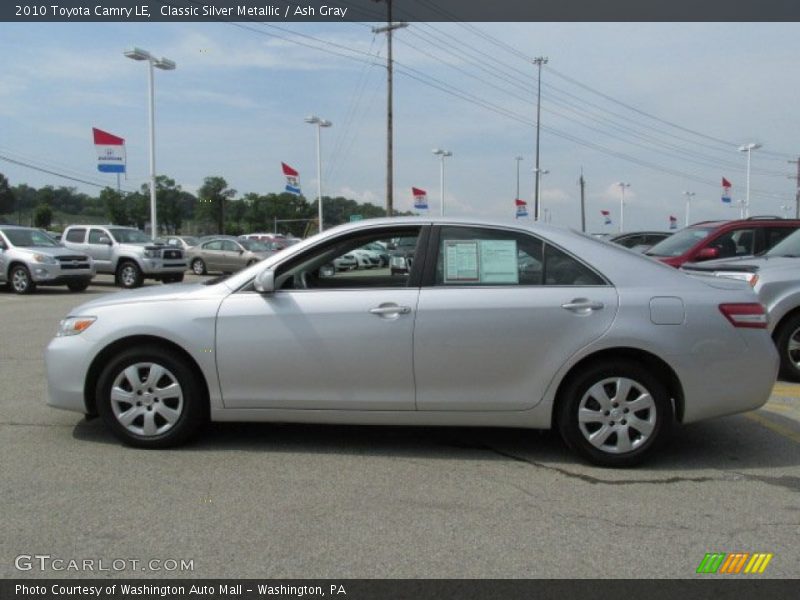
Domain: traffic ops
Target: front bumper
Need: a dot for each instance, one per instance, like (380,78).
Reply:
(47,274)
(67,362)
(163,266)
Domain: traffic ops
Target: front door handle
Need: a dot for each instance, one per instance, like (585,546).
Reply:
(390,309)
(582,306)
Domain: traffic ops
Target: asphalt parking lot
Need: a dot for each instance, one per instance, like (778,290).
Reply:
(281,500)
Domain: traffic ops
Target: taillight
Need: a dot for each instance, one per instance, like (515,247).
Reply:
(751,315)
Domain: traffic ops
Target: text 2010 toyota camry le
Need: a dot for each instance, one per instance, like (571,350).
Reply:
(492,325)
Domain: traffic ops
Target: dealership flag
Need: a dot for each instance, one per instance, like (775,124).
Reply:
(726,191)
(522,208)
(110,152)
(607,216)
(420,198)
(292,179)
(673,222)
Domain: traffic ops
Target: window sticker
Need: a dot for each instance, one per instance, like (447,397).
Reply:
(498,261)
(461,261)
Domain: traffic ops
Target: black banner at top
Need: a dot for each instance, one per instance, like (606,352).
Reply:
(402,10)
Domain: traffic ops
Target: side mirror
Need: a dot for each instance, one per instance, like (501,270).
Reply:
(707,254)
(265,282)
(105,240)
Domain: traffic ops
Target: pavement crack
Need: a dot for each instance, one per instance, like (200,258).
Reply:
(788,482)
(18,424)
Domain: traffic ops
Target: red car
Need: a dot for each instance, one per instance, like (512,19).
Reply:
(722,239)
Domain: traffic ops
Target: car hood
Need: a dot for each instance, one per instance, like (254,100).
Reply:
(157,293)
(50,250)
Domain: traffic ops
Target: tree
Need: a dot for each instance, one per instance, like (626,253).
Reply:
(7,199)
(115,206)
(213,196)
(43,216)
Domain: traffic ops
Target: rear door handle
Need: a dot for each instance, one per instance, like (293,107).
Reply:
(391,309)
(582,306)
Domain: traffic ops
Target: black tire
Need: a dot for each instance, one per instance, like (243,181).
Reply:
(199,267)
(20,280)
(655,418)
(129,275)
(789,330)
(78,286)
(192,408)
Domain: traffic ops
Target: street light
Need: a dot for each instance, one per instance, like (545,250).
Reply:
(745,211)
(540,173)
(622,186)
(320,123)
(689,196)
(164,64)
(442,154)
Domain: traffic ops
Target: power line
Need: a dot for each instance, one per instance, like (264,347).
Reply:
(51,172)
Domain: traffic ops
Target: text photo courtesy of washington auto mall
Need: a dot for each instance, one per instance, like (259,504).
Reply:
(393,298)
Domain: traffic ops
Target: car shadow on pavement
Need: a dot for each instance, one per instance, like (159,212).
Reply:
(729,444)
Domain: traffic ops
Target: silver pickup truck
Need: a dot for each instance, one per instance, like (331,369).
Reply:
(126,253)
(29,257)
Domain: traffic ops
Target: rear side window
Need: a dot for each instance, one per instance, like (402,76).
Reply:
(76,235)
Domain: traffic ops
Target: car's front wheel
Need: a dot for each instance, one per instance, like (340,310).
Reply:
(151,398)
(787,340)
(21,281)
(198,266)
(129,275)
(614,413)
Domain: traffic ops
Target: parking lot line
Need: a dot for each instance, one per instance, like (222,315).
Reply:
(776,427)
(786,389)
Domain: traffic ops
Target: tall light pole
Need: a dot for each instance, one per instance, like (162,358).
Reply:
(442,154)
(745,212)
(517,159)
(388,29)
(540,173)
(320,123)
(689,196)
(538,61)
(622,186)
(165,65)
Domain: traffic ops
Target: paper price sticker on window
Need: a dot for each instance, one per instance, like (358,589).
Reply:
(481,261)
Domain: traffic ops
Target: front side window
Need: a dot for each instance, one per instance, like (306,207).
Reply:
(738,242)
(95,235)
(229,246)
(336,265)
(474,256)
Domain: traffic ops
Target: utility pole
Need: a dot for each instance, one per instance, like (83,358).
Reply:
(582,183)
(538,61)
(518,159)
(797,194)
(390,26)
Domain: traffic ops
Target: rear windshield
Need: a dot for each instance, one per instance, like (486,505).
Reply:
(680,242)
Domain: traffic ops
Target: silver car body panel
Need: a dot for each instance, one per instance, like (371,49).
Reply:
(321,356)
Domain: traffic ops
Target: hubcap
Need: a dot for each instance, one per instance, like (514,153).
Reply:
(198,267)
(20,280)
(793,348)
(617,415)
(128,275)
(146,399)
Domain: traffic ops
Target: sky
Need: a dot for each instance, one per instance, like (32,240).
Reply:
(660,106)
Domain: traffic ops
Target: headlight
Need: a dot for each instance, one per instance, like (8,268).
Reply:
(751,278)
(45,258)
(152,253)
(74,325)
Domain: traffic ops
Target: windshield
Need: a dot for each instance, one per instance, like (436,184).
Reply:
(25,238)
(680,242)
(129,236)
(254,246)
(789,246)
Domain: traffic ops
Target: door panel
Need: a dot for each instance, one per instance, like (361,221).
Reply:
(317,349)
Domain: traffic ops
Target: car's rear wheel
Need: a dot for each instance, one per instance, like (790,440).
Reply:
(787,339)
(129,275)
(151,398)
(614,413)
(198,266)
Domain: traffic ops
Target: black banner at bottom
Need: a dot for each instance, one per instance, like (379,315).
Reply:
(417,589)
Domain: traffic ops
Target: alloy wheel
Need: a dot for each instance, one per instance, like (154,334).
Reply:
(147,399)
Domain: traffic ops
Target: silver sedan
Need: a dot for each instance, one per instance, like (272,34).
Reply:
(494,325)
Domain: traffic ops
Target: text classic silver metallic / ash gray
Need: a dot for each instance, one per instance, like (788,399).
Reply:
(490,325)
